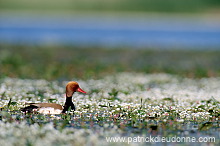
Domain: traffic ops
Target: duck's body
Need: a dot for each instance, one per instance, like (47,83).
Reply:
(44,108)
(53,108)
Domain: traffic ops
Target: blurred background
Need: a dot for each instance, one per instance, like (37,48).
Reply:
(60,40)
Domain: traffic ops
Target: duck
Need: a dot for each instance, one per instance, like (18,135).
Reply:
(53,108)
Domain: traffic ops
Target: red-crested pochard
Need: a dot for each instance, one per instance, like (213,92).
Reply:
(53,108)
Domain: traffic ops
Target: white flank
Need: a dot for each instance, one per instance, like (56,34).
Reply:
(49,110)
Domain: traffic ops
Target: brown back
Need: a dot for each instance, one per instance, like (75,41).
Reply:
(45,105)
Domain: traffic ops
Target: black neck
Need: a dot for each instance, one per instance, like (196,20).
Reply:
(68,104)
(68,99)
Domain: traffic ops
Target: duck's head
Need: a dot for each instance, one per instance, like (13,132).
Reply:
(72,87)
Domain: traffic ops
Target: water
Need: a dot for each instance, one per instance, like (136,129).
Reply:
(140,32)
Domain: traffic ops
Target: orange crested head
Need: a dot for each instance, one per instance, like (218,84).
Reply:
(72,87)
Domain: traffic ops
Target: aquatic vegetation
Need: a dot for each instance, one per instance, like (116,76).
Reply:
(65,62)
(124,104)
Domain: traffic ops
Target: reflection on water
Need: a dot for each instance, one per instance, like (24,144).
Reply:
(133,32)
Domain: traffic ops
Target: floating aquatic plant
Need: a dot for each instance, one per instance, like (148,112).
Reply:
(125,104)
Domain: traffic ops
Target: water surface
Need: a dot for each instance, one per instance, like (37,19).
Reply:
(134,32)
